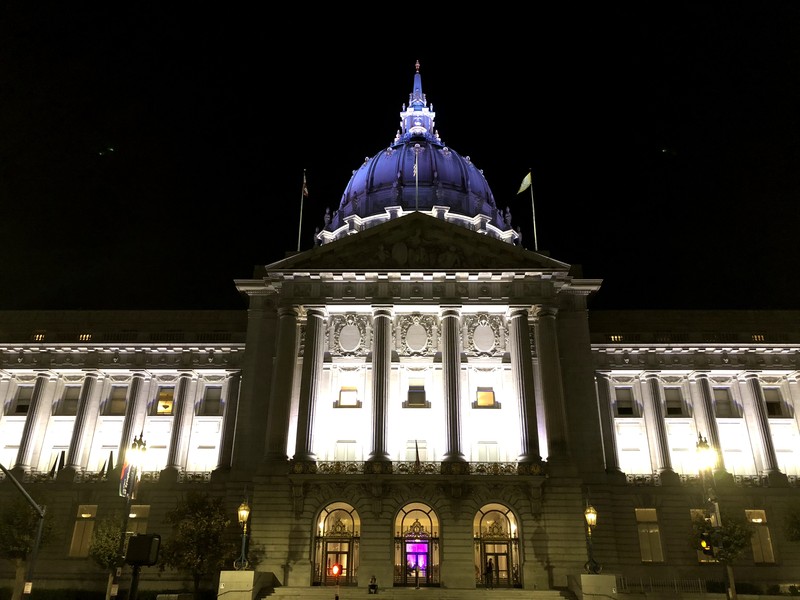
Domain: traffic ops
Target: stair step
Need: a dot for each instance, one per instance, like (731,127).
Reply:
(350,593)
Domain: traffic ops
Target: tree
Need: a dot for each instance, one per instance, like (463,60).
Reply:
(792,525)
(104,547)
(19,527)
(728,541)
(201,541)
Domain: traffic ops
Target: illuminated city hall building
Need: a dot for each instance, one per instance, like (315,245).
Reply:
(415,395)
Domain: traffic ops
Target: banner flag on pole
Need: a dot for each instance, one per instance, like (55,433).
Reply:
(416,448)
(303,194)
(526,183)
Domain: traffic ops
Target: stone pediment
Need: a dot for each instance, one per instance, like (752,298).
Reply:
(418,241)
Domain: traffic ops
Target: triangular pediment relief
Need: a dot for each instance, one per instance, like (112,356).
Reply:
(418,241)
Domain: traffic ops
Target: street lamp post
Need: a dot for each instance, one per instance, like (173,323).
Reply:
(707,461)
(128,486)
(242,563)
(592,566)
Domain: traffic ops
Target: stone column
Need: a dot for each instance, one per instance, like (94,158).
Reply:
(381,366)
(794,396)
(74,461)
(656,428)
(229,422)
(705,417)
(134,414)
(757,421)
(522,374)
(280,397)
(309,383)
(608,428)
(181,425)
(35,422)
(451,374)
(552,389)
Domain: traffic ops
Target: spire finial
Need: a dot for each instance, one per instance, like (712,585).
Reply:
(417,65)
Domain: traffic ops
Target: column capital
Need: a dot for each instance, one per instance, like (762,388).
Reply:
(698,375)
(748,375)
(288,310)
(544,310)
(650,375)
(383,310)
(316,310)
(450,310)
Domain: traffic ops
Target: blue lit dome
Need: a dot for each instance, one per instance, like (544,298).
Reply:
(417,173)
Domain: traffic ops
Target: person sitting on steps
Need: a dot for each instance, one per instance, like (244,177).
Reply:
(373,585)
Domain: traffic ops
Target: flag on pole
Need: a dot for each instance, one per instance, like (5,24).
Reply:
(305,187)
(416,448)
(526,183)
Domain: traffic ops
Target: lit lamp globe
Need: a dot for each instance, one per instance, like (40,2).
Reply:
(591,516)
(706,455)
(244,514)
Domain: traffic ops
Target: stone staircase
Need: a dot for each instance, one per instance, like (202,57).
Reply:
(403,593)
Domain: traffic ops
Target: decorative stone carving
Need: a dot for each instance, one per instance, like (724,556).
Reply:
(486,335)
(418,335)
(349,335)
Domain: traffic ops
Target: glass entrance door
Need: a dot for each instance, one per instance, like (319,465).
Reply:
(417,567)
(337,552)
(498,553)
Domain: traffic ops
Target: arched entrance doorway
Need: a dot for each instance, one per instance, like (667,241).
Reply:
(416,546)
(336,542)
(496,539)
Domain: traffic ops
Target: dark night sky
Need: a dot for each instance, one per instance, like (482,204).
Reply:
(664,141)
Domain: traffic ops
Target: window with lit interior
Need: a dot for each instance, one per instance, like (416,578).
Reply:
(164,402)
(761,541)
(82,530)
(485,398)
(348,397)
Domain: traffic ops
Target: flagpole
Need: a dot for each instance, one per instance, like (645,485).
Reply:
(533,214)
(302,196)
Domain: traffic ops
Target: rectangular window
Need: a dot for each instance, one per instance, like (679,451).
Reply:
(23,401)
(417,397)
(164,401)
(774,401)
(673,401)
(137,519)
(82,531)
(117,401)
(416,448)
(348,397)
(623,402)
(485,398)
(211,406)
(649,535)
(723,403)
(68,405)
(416,392)
(761,540)
(345,450)
(488,452)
